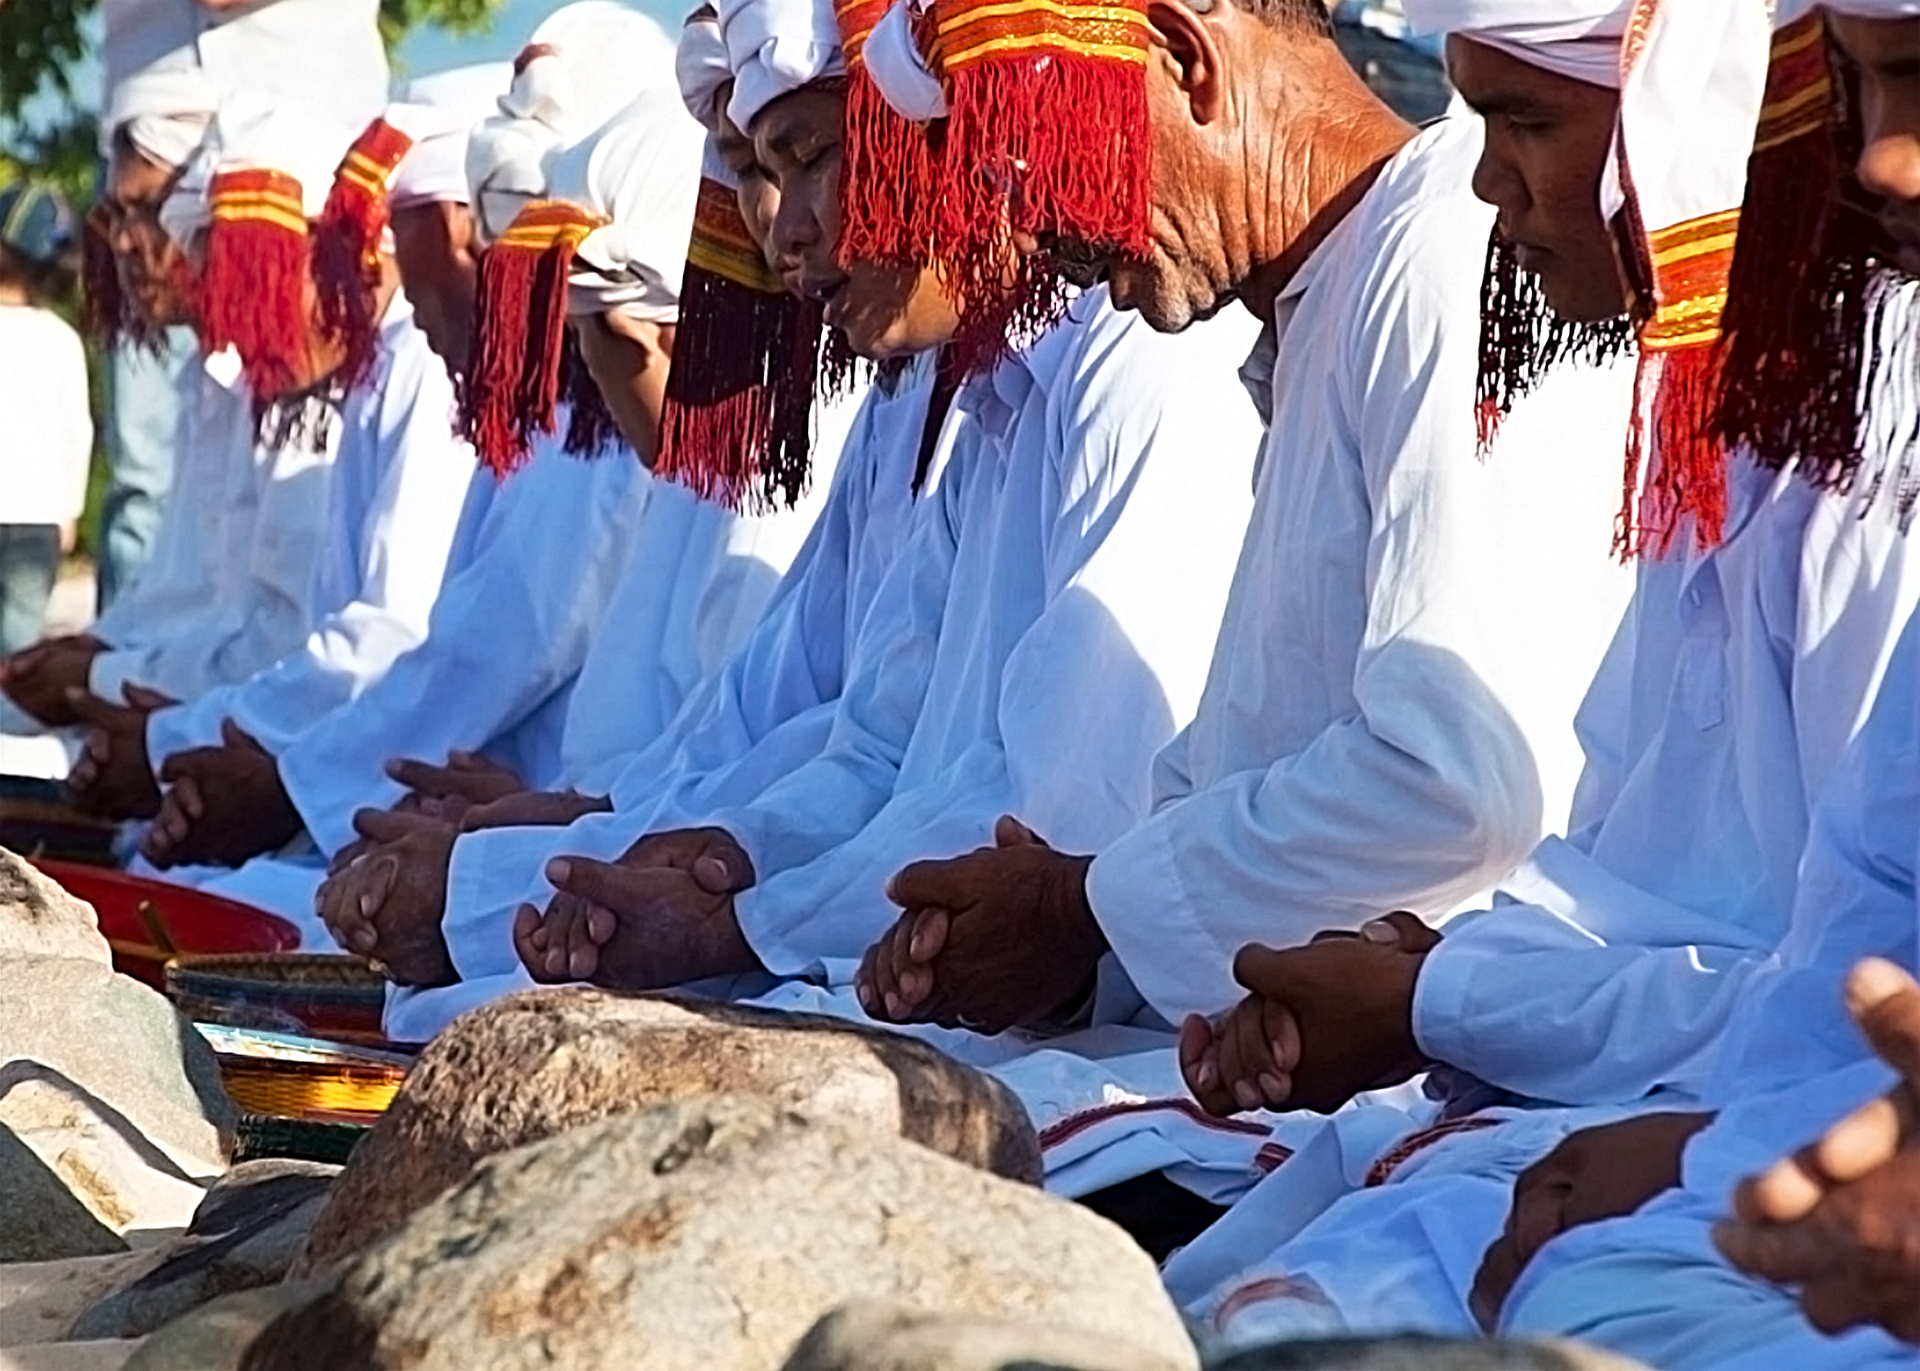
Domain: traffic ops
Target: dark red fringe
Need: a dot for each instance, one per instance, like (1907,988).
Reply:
(1796,322)
(253,300)
(886,181)
(1675,394)
(1058,144)
(736,427)
(346,275)
(106,312)
(519,334)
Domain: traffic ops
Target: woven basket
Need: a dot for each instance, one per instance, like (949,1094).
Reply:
(325,996)
(302,1097)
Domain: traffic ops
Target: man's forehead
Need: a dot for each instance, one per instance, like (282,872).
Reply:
(795,116)
(1496,82)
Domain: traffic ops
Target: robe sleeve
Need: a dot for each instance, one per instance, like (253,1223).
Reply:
(1148,445)
(1427,790)
(1593,990)
(387,558)
(510,629)
(764,713)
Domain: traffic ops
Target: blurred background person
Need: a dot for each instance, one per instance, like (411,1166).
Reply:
(46,429)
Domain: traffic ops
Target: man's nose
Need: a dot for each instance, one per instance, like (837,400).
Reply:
(1889,164)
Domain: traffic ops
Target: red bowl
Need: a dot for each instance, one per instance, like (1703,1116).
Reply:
(132,908)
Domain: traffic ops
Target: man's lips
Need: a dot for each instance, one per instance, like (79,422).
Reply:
(820,289)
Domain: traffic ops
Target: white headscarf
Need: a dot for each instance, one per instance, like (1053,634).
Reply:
(577,71)
(774,48)
(641,172)
(900,71)
(439,113)
(1579,39)
(701,66)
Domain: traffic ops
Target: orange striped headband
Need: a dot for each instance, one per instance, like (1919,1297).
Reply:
(722,245)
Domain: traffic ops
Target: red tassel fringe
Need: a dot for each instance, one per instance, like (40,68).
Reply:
(253,300)
(1055,143)
(1674,398)
(886,181)
(346,245)
(513,387)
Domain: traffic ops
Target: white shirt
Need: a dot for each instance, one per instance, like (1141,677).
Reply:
(1042,635)
(766,711)
(225,592)
(1717,722)
(397,494)
(504,642)
(1388,720)
(46,428)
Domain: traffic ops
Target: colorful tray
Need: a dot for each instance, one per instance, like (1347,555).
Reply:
(300,1096)
(325,995)
(147,922)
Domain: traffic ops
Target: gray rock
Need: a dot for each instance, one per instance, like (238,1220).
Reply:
(886,1337)
(244,1235)
(533,1065)
(215,1336)
(40,1220)
(710,1235)
(68,1356)
(39,919)
(112,1089)
(40,1300)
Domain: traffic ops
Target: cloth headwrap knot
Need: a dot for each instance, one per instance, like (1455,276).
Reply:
(579,69)
(700,66)
(428,132)
(776,47)
(608,234)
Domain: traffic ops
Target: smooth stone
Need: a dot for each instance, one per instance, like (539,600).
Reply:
(888,1337)
(533,1065)
(38,918)
(709,1235)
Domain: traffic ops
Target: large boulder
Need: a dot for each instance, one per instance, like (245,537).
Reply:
(245,1234)
(709,1235)
(39,919)
(40,1218)
(215,1336)
(888,1337)
(534,1065)
(40,1300)
(112,1089)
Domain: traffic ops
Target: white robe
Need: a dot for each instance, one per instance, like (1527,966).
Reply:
(396,498)
(1790,1065)
(225,593)
(505,640)
(1724,710)
(1388,719)
(1039,638)
(767,710)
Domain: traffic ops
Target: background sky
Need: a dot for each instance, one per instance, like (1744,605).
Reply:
(428,50)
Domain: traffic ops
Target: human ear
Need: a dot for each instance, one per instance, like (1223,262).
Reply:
(1188,43)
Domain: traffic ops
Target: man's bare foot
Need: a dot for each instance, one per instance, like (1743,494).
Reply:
(224,806)
(389,902)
